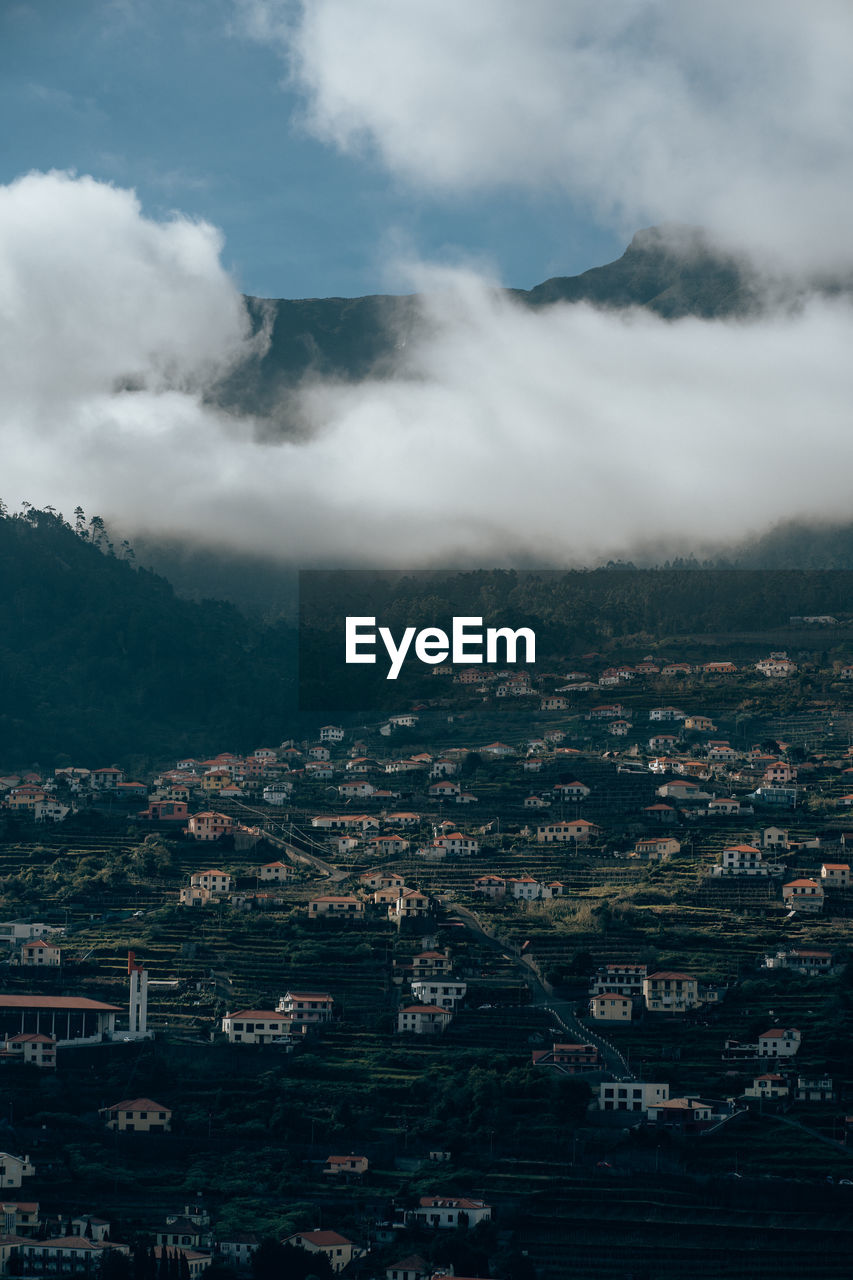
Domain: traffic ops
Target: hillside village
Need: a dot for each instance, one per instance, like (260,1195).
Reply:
(439,994)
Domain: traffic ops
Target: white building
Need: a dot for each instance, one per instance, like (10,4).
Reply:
(631,1095)
(444,994)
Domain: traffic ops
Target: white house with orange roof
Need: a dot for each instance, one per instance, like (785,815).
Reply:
(579,831)
(256,1026)
(32,1048)
(450,1212)
(670,991)
(423,1019)
(779,1042)
(835,875)
(306,1008)
(138,1115)
(768,1087)
(490,886)
(336,906)
(803,894)
(214,880)
(411,904)
(276,872)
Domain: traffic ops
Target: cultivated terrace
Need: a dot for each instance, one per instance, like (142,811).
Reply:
(543,973)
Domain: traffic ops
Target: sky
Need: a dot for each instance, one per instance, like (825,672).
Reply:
(167,157)
(181,103)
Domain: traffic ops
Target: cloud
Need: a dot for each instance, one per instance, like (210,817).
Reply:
(556,436)
(731,115)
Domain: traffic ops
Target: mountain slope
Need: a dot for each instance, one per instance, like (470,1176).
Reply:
(100,660)
(673,271)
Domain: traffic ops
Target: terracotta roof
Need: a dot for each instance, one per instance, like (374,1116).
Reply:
(137,1104)
(320,1238)
(266,1014)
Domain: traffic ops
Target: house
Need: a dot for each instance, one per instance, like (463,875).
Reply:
(657,848)
(20,1217)
(13,1169)
(331,733)
(166,811)
(610,1006)
(578,832)
(38,1050)
(456,844)
(779,1042)
(699,724)
(106,779)
(774,838)
(14,931)
(768,1087)
(802,960)
(624,979)
(667,713)
(256,1026)
(572,790)
(338,1249)
(683,790)
(346,1166)
(535,802)
(777,665)
(238,1247)
(684,1113)
(444,790)
(744,860)
(335,906)
(138,1115)
(86,1224)
(197,1261)
(66,1255)
(526,889)
(190,897)
(490,886)
(423,1019)
(214,881)
(668,991)
(571,1059)
(450,1212)
(379,878)
(803,895)
(430,963)
(814,1089)
(412,1267)
(443,994)
(40,953)
(411,904)
(210,826)
(662,813)
(275,871)
(835,875)
(306,1008)
(631,1095)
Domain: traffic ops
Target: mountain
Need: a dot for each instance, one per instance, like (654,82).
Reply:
(674,271)
(102,661)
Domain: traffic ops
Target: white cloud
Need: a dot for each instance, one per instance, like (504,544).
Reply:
(736,115)
(561,435)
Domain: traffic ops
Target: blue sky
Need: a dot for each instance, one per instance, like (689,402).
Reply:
(174,100)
